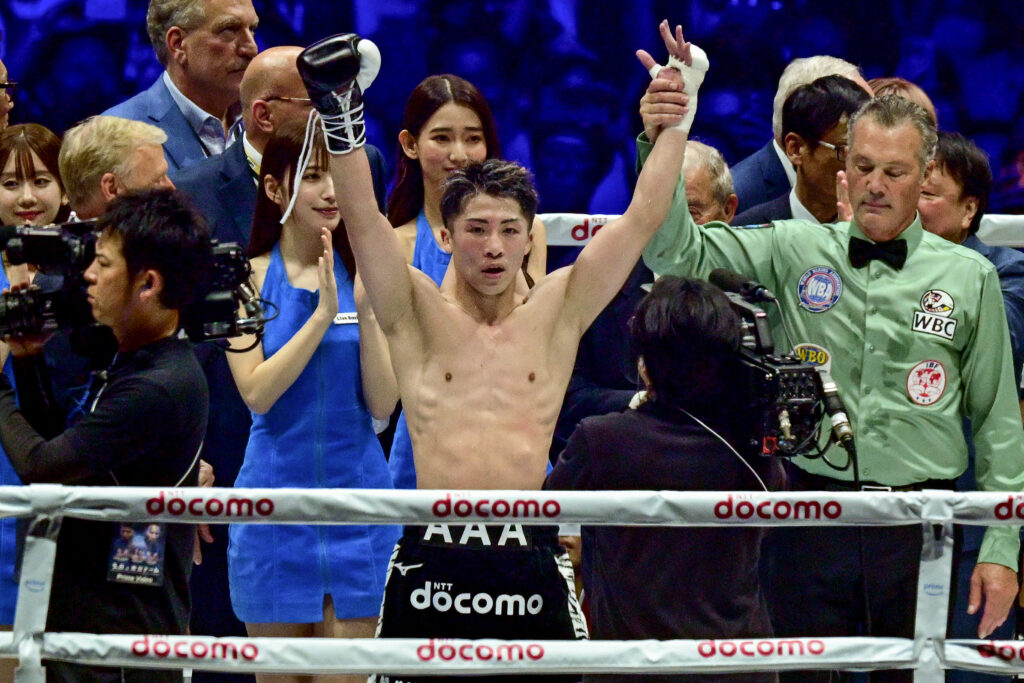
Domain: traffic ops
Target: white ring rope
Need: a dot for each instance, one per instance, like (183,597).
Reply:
(928,652)
(620,508)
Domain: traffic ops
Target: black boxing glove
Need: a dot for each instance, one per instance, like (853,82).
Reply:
(336,72)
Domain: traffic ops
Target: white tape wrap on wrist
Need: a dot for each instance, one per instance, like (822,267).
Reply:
(693,76)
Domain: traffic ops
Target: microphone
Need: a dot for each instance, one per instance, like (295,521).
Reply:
(729,281)
(841,429)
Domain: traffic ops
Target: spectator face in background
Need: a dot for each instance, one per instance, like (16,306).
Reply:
(451,138)
(944,209)
(30,189)
(213,55)
(6,103)
(147,169)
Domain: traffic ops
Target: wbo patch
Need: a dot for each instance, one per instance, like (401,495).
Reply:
(819,289)
(926,382)
(934,316)
(815,355)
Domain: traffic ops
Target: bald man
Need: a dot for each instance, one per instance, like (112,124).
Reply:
(223,187)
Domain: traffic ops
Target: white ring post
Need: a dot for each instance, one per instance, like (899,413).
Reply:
(34,597)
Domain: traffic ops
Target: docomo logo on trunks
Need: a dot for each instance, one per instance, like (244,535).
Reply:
(778,509)
(157,646)
(475,652)
(178,504)
(484,507)
(760,648)
(481,603)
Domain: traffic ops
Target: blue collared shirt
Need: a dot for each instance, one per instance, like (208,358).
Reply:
(207,127)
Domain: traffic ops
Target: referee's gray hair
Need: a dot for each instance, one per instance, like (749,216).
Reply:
(699,155)
(802,71)
(892,111)
(162,15)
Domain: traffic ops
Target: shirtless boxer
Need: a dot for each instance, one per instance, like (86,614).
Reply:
(482,371)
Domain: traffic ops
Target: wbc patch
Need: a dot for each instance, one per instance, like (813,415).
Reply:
(934,316)
(926,382)
(815,355)
(819,289)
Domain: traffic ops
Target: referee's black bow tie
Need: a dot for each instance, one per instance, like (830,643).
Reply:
(893,252)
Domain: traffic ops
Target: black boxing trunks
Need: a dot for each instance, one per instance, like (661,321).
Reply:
(504,581)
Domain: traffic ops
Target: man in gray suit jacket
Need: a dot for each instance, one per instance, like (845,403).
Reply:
(205,47)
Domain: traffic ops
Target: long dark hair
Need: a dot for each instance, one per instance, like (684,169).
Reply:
(431,94)
(280,161)
(23,139)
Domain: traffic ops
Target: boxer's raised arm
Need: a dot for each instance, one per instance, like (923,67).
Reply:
(607,260)
(336,72)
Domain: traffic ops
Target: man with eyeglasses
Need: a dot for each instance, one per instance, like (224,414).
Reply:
(6,96)
(814,119)
(205,47)
(224,189)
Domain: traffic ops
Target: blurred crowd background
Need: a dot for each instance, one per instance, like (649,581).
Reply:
(561,76)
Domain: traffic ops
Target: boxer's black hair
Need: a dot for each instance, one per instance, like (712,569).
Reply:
(493,177)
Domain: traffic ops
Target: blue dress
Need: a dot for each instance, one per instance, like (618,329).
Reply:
(8,526)
(317,435)
(432,260)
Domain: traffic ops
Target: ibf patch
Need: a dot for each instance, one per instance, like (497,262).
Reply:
(815,355)
(934,318)
(819,289)
(926,382)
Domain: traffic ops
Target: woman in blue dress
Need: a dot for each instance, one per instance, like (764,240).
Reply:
(312,388)
(447,124)
(31,193)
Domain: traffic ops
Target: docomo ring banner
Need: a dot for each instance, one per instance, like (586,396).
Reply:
(927,652)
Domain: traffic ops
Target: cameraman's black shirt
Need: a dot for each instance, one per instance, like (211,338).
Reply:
(147,421)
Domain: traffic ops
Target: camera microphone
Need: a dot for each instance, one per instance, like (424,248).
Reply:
(841,428)
(729,281)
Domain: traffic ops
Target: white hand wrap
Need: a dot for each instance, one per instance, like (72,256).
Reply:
(693,76)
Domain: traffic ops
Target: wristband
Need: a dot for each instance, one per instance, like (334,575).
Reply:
(693,76)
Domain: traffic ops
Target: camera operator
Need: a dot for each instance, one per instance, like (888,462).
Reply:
(146,415)
(686,336)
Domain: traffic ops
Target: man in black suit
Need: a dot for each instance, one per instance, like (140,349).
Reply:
(768,173)
(814,120)
(223,188)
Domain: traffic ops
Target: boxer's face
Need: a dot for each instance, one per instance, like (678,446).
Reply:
(885,177)
(488,242)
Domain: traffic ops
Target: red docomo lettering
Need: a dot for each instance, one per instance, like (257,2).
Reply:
(1005,651)
(1006,510)
(471,652)
(760,648)
(584,231)
(212,507)
(181,649)
(780,509)
(446,507)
